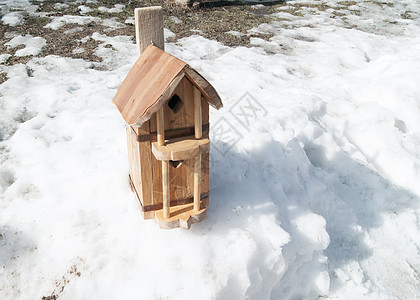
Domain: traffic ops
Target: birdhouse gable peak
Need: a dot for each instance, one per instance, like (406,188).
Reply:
(151,83)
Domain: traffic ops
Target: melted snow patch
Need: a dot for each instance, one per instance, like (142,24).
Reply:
(130,21)
(84,9)
(116,9)
(57,22)
(13,19)
(4,58)
(60,6)
(234,33)
(33,45)
(168,34)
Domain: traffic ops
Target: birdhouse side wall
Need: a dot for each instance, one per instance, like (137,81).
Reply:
(140,166)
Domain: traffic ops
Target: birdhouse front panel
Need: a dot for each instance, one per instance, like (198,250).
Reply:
(179,122)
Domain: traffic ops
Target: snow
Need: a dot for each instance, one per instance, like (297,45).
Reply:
(4,58)
(176,20)
(12,19)
(168,34)
(58,22)
(78,50)
(74,30)
(84,9)
(314,194)
(116,9)
(60,6)
(130,21)
(235,33)
(33,45)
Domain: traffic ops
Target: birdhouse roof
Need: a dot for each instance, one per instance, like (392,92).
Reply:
(151,83)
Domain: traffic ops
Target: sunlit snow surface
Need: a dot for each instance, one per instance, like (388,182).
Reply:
(315,192)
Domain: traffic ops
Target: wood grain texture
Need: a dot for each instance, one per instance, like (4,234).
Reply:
(181,216)
(149,27)
(145,83)
(165,189)
(178,125)
(151,82)
(147,214)
(198,135)
(160,123)
(143,161)
(205,160)
(169,134)
(181,148)
(197,182)
(181,201)
(198,120)
(184,117)
(207,90)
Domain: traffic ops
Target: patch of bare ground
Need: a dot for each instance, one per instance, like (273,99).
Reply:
(212,20)
(3,77)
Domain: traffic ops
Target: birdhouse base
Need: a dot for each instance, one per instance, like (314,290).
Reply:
(181,216)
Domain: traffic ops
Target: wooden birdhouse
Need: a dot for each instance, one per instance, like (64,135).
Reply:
(165,104)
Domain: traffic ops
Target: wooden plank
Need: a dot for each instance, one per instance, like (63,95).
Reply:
(208,91)
(198,135)
(197,182)
(147,214)
(205,159)
(205,115)
(180,201)
(198,120)
(154,78)
(155,75)
(181,216)
(153,108)
(144,163)
(185,115)
(165,189)
(160,127)
(170,134)
(157,178)
(181,148)
(147,81)
(181,180)
(133,160)
(149,27)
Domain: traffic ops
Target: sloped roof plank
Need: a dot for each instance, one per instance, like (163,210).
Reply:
(151,82)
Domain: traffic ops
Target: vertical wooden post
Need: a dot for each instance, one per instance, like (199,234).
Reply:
(198,135)
(165,164)
(165,189)
(197,182)
(198,119)
(160,117)
(149,30)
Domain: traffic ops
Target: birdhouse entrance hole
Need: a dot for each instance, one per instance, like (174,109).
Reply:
(176,163)
(175,103)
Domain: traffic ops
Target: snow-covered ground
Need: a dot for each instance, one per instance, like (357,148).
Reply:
(315,191)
